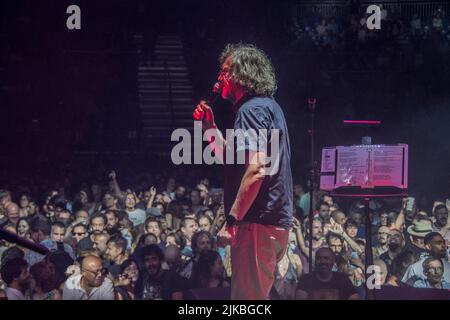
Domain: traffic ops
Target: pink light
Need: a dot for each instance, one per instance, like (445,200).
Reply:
(369,122)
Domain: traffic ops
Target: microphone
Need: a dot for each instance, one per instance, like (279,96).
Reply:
(214,95)
(14,238)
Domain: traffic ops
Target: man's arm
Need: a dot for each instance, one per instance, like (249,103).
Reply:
(250,184)
(115,185)
(152,197)
(400,221)
(300,237)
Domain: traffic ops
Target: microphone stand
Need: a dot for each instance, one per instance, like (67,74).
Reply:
(311,107)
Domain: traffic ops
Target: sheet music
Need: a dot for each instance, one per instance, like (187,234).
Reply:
(352,167)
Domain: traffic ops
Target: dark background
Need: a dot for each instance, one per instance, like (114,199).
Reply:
(64,91)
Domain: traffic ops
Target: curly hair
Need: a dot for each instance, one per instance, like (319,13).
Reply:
(251,68)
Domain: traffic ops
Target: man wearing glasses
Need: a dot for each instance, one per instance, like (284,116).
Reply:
(258,198)
(91,284)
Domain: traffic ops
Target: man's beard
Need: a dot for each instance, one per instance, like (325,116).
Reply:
(393,246)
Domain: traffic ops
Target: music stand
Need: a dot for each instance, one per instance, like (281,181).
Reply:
(344,174)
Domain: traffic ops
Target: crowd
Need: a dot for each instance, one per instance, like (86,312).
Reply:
(332,32)
(167,242)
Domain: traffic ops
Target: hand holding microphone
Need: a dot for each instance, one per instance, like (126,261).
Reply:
(203,111)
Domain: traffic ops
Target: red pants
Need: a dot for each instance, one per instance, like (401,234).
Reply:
(255,251)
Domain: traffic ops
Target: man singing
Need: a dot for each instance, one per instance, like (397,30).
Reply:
(258,200)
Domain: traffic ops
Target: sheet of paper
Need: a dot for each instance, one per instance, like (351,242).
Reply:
(328,160)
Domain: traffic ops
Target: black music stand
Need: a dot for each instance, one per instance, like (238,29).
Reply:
(366,194)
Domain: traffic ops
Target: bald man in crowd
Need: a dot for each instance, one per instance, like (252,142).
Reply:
(91,284)
(12,212)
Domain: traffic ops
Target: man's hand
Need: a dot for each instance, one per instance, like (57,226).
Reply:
(112,175)
(204,113)
(297,225)
(337,229)
(152,191)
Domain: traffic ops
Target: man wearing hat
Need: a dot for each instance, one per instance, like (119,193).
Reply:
(416,233)
(435,248)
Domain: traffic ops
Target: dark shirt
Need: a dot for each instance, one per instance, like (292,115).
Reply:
(85,244)
(274,202)
(162,287)
(113,268)
(388,260)
(338,287)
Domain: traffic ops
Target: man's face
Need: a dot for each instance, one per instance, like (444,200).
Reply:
(324,212)
(384,219)
(335,245)
(79,233)
(351,230)
(5,200)
(173,257)
(395,240)
(94,274)
(58,234)
(24,279)
(317,230)
(111,220)
(96,189)
(179,192)
(100,244)
(383,233)
(190,229)
(31,208)
(357,217)
(170,184)
(97,225)
(216,197)
(12,212)
(441,216)
(83,197)
(152,264)
(24,201)
(130,201)
(228,86)
(112,252)
(203,244)
(64,217)
(204,224)
(170,240)
(434,271)
(147,196)
(108,201)
(418,241)
(82,216)
(328,200)
(153,227)
(37,236)
(341,218)
(195,198)
(437,247)
(324,261)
